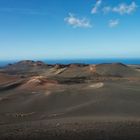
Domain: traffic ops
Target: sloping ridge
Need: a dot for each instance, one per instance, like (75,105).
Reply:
(116,69)
(37,82)
(75,71)
(106,69)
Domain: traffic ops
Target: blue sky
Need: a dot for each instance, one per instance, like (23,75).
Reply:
(70,29)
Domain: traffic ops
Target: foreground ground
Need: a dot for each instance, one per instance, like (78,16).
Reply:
(72,102)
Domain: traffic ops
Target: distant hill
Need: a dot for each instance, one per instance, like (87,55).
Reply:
(115,69)
(25,64)
(24,67)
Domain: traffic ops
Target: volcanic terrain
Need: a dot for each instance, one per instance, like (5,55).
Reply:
(69,102)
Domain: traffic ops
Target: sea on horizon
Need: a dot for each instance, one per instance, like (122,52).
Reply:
(84,61)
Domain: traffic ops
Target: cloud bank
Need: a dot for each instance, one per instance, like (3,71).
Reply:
(125,9)
(121,9)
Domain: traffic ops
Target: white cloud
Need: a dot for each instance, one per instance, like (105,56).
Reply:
(125,9)
(113,23)
(96,7)
(107,9)
(121,9)
(77,22)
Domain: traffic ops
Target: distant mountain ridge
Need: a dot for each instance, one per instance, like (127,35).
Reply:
(70,70)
